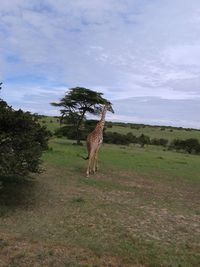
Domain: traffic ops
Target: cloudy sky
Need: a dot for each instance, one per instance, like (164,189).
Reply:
(144,55)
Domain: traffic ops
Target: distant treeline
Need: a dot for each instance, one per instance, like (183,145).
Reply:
(136,126)
(190,145)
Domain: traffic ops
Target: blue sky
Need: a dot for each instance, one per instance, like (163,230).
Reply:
(144,55)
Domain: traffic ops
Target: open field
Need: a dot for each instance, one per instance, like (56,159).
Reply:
(50,122)
(153,132)
(158,132)
(141,209)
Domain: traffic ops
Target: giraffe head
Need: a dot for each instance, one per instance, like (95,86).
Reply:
(108,107)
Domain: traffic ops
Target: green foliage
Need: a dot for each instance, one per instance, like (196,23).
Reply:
(119,139)
(159,141)
(69,131)
(22,141)
(170,133)
(76,103)
(190,145)
(89,126)
(125,139)
(143,140)
(115,138)
(131,138)
(109,124)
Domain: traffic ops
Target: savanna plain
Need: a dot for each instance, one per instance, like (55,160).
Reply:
(141,209)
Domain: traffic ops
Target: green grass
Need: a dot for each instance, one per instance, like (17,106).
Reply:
(150,161)
(156,132)
(141,209)
(51,123)
(153,161)
(153,132)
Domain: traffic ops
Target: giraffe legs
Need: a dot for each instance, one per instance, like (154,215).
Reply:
(90,163)
(95,165)
(93,162)
(88,167)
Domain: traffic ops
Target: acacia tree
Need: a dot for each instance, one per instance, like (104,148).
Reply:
(76,103)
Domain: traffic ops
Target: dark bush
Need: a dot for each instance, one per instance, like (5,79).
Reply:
(135,127)
(143,140)
(66,131)
(91,124)
(159,142)
(131,138)
(109,124)
(190,145)
(116,138)
(22,141)
(70,132)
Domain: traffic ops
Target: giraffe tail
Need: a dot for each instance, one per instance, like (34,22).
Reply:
(85,158)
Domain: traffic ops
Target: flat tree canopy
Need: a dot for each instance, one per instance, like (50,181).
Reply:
(77,102)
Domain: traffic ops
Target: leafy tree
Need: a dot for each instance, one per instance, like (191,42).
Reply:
(76,103)
(119,139)
(143,140)
(190,145)
(22,141)
(115,138)
(109,124)
(159,142)
(131,138)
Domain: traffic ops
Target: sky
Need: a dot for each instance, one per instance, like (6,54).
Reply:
(144,55)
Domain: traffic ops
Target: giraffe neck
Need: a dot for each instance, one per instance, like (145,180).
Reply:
(101,123)
(103,115)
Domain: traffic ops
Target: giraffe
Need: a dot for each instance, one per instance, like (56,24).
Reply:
(95,139)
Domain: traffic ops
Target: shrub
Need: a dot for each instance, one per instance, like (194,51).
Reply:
(70,132)
(22,141)
(131,138)
(66,131)
(116,138)
(109,124)
(159,142)
(190,145)
(143,140)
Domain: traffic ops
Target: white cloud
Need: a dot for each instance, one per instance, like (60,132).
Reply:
(121,47)
(154,110)
(181,55)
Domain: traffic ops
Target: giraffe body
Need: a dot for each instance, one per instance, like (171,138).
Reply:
(94,141)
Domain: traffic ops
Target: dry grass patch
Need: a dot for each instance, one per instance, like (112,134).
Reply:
(16,252)
(114,218)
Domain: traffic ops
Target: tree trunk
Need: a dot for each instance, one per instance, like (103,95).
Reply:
(78,141)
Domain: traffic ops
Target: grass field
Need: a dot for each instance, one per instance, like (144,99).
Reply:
(153,132)
(50,122)
(158,132)
(141,209)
